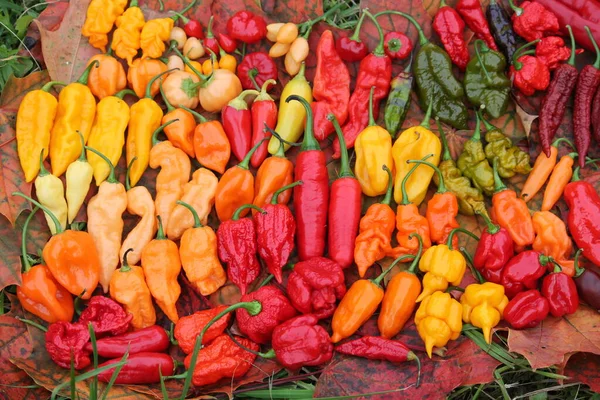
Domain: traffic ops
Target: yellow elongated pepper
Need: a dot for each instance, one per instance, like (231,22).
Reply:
(292,116)
(415,143)
(438,320)
(51,194)
(126,38)
(78,177)
(483,306)
(100,18)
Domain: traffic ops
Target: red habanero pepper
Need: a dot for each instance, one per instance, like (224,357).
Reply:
(533,21)
(247,27)
(351,48)
(561,292)
(552,50)
(345,204)
(237,123)
(587,84)
(494,249)
(449,26)
(311,199)
(527,72)
(587,281)
(526,310)
(523,271)
(397,45)
(472,14)
(139,368)
(331,87)
(264,111)
(191,27)
(375,70)
(210,41)
(152,339)
(276,230)
(557,96)
(65,342)
(256,69)
(106,316)
(226,42)
(237,248)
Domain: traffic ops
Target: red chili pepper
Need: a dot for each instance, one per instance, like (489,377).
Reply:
(351,48)
(311,199)
(561,292)
(189,327)
(527,72)
(472,14)
(227,43)
(555,101)
(345,205)
(264,112)
(237,123)
(596,116)
(523,271)
(256,69)
(65,340)
(237,248)
(449,26)
(533,21)
(106,316)
(191,27)
(397,45)
(331,87)
(552,51)
(314,286)
(526,310)
(247,27)
(276,230)
(210,42)
(374,70)
(587,281)
(153,339)
(139,368)
(587,84)
(495,248)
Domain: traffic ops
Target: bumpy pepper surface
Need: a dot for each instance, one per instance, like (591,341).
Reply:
(527,310)
(483,306)
(106,316)
(553,240)
(523,272)
(189,327)
(511,159)
(438,320)
(100,18)
(65,342)
(473,163)
(109,78)
(495,247)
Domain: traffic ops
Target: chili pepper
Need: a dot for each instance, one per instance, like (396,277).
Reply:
(227,43)
(210,42)
(108,78)
(75,112)
(587,84)
(126,38)
(51,193)
(181,132)
(438,320)
(151,339)
(373,149)
(237,122)
(360,302)
(483,306)
(264,111)
(523,271)
(511,159)
(527,310)
(399,99)
(198,253)
(596,116)
(189,327)
(435,82)
(374,70)
(345,206)
(561,292)
(78,177)
(275,233)
(292,117)
(473,163)
(528,73)
(449,26)
(139,368)
(502,29)
(39,292)
(314,286)
(351,48)
(141,72)
(247,27)
(156,31)
(257,68)
(533,21)
(311,199)
(191,27)
(100,18)
(106,316)
(228,62)
(552,50)
(486,85)
(587,281)
(331,87)
(542,168)
(472,15)
(495,248)
(552,240)
(128,287)
(415,143)
(161,264)
(561,175)
(397,45)
(65,342)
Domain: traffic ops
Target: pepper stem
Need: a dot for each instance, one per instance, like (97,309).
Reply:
(487,124)
(309,142)
(186,9)
(441,186)
(491,227)
(124,264)
(425,122)
(446,156)
(178,15)
(477,134)
(197,223)
(479,43)
(405,200)
(412,266)
(422,38)
(83,79)
(170,107)
(43,170)
(281,150)
(111,176)
(283,189)
(345,171)
(412,356)
(160,234)
(518,54)
(196,114)
(186,61)
(573,44)
(589,33)
(32,323)
(517,10)
(236,214)
(371,118)
(576,176)
(356,34)
(158,130)
(59,228)
(151,82)
(246,161)
(26,263)
(469,259)
(269,354)
(49,85)
(264,90)
(388,192)
(127,180)
(239,103)
(578,269)
(379,50)
(462,230)
(498,185)
(125,92)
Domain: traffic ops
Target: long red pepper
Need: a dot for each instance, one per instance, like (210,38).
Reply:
(472,14)
(596,116)
(344,208)
(449,26)
(587,84)
(237,123)
(140,368)
(264,111)
(151,339)
(311,199)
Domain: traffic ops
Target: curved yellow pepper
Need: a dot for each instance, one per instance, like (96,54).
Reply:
(438,320)
(100,18)
(443,266)
(483,306)
(153,36)
(126,38)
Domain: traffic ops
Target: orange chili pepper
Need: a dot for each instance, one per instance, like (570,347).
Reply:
(553,240)
(561,176)
(511,212)
(198,252)
(375,231)
(141,72)
(174,172)
(161,264)
(236,188)
(108,78)
(542,168)
(181,133)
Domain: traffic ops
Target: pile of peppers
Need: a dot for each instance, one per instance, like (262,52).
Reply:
(186,99)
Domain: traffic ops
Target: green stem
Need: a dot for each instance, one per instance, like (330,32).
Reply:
(422,38)
(196,114)
(576,176)
(127,180)
(170,107)
(82,156)
(158,130)
(477,134)
(412,266)
(49,85)
(94,383)
(462,230)
(124,264)
(487,124)
(282,142)
(425,122)
(589,33)
(83,79)
(26,263)
(43,170)
(186,9)
(179,15)
(578,269)
(238,212)
(125,92)
(356,34)
(244,164)
(151,82)
(446,156)
(388,192)
(345,171)
(309,142)
(478,43)
(321,17)
(197,223)
(239,102)
(283,189)
(186,61)
(441,186)
(573,44)
(491,227)
(252,74)
(474,271)
(111,176)
(405,200)
(59,228)
(160,234)
(264,93)
(379,51)
(268,355)
(518,54)
(498,185)
(371,118)
(517,10)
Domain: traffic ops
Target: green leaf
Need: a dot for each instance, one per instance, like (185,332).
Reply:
(22,24)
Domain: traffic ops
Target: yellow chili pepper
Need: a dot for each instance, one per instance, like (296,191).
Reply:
(438,320)
(483,306)
(78,177)
(126,38)
(100,18)
(51,194)
(228,61)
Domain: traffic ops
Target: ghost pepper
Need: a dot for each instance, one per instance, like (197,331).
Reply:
(106,316)
(552,51)
(483,305)
(438,320)
(65,342)
(533,21)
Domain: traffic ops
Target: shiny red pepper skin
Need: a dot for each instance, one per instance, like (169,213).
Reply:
(584,218)
(264,111)
(492,276)
(495,248)
(526,310)
(194,28)
(210,41)
(529,74)
(472,14)
(351,50)
(260,66)
(397,45)
(140,368)
(377,348)
(227,43)
(552,51)
(449,26)
(523,271)
(237,123)
(153,339)
(561,292)
(247,27)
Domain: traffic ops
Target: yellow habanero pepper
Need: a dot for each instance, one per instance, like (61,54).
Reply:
(126,38)
(483,306)
(438,320)
(76,112)
(415,143)
(373,148)
(51,194)
(100,18)
(292,116)
(157,31)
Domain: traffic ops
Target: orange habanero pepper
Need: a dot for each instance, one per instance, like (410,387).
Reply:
(552,240)
(561,176)
(109,78)
(141,72)
(181,133)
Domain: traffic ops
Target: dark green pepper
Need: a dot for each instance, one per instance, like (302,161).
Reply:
(511,159)
(398,101)
(470,199)
(485,81)
(473,162)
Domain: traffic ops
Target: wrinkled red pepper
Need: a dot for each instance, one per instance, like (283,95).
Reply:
(561,292)
(449,26)
(255,69)
(526,310)
(247,27)
(153,339)
(473,16)
(189,327)
(529,74)
(552,51)
(523,272)
(65,340)
(533,21)
(494,249)
(106,316)
(140,368)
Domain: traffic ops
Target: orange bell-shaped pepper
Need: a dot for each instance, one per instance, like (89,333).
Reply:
(141,72)
(109,78)
(180,133)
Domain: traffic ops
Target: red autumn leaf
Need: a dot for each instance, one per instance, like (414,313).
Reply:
(51,18)
(584,368)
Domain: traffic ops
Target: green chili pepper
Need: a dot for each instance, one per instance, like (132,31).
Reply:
(511,159)
(474,164)
(398,101)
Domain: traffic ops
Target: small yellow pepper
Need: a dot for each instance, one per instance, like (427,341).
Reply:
(51,194)
(483,306)
(438,320)
(126,38)
(100,18)
(78,177)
